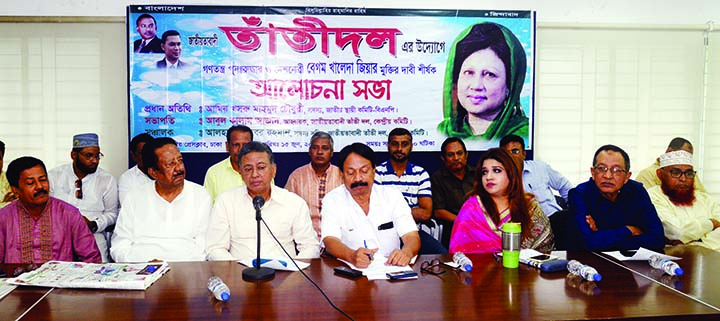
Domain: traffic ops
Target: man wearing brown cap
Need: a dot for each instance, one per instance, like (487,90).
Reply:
(89,188)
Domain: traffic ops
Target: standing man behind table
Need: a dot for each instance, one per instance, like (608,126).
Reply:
(89,188)
(414,184)
(135,176)
(313,181)
(232,234)
(166,220)
(450,184)
(537,176)
(225,175)
(361,218)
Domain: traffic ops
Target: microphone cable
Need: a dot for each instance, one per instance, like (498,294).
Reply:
(303,273)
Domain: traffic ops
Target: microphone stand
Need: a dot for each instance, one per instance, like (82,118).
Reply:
(258,273)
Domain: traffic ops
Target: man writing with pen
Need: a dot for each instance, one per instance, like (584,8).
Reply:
(362,221)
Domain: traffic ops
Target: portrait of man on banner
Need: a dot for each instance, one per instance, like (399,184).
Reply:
(484,77)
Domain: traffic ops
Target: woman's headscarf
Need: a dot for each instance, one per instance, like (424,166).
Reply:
(511,119)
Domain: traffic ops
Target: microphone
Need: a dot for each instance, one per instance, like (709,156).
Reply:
(258,273)
(258,202)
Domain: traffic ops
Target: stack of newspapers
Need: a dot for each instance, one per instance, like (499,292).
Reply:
(116,276)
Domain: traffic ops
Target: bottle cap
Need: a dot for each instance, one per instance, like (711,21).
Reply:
(597,277)
(679,271)
(511,227)
(468,268)
(225,296)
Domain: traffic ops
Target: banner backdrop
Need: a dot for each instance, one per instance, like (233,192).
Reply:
(355,73)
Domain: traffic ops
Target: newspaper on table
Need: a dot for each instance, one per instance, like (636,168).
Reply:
(116,276)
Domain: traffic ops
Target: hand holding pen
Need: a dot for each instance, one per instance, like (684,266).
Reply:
(363,256)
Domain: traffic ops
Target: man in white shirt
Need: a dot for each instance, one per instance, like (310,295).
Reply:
(135,176)
(89,188)
(232,234)
(166,220)
(361,218)
(688,216)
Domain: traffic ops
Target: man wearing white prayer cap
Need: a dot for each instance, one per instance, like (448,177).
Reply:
(648,177)
(688,215)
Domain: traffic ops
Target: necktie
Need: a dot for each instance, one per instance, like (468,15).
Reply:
(142,45)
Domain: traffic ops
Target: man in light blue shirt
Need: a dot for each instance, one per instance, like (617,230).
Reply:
(538,177)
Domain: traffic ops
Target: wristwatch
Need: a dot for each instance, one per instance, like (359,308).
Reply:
(93,226)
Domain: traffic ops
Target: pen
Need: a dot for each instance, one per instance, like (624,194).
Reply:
(369,256)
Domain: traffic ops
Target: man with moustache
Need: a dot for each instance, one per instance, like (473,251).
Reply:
(362,219)
(171,44)
(147,29)
(648,176)
(450,184)
(314,180)
(135,176)
(414,183)
(225,175)
(232,234)
(611,212)
(38,228)
(89,188)
(166,220)
(687,215)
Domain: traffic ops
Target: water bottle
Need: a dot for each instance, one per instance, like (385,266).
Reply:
(218,288)
(461,260)
(665,265)
(585,271)
(511,237)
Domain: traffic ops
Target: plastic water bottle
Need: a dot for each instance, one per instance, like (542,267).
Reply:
(218,288)
(665,265)
(585,271)
(460,259)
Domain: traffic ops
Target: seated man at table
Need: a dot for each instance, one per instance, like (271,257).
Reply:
(687,215)
(232,234)
(361,218)
(167,219)
(38,228)
(648,176)
(610,211)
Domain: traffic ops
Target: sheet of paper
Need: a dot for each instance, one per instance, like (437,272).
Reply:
(377,268)
(275,264)
(642,254)
(119,276)
(6,288)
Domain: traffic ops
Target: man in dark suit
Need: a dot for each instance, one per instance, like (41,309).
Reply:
(172,46)
(147,29)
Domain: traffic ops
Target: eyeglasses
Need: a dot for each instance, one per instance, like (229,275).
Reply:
(677,173)
(617,171)
(78,192)
(433,267)
(97,156)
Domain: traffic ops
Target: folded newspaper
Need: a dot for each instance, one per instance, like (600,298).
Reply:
(116,276)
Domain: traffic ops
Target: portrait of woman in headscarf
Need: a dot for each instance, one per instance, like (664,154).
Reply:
(484,77)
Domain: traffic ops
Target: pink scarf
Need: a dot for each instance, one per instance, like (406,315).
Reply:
(474,231)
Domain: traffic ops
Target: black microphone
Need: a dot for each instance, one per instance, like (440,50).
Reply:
(258,202)
(258,273)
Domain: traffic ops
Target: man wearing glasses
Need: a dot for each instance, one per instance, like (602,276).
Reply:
(89,188)
(687,215)
(648,176)
(611,212)
(537,176)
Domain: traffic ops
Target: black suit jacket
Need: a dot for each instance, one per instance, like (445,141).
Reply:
(162,64)
(152,47)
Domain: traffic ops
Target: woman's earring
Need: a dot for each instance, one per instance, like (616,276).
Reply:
(507,93)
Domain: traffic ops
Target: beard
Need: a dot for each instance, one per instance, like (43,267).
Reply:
(85,169)
(679,196)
